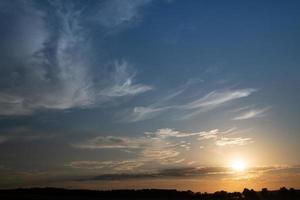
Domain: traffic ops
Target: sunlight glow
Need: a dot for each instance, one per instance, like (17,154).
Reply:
(238,165)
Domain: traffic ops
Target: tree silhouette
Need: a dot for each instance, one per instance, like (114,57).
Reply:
(265,193)
(146,194)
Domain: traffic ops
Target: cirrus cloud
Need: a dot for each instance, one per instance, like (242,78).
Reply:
(52,67)
(249,114)
(188,109)
(225,141)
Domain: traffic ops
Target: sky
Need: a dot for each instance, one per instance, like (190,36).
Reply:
(111,94)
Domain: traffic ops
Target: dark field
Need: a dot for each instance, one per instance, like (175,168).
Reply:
(63,194)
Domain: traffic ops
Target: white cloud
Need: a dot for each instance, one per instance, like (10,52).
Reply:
(167,132)
(162,154)
(209,134)
(54,81)
(186,109)
(216,98)
(202,135)
(121,83)
(142,113)
(216,135)
(147,149)
(213,100)
(161,139)
(249,114)
(152,149)
(163,147)
(225,141)
(52,67)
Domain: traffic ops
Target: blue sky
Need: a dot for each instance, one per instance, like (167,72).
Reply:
(111,87)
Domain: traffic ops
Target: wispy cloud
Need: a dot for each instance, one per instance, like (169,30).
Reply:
(213,100)
(163,147)
(163,104)
(167,132)
(149,148)
(54,69)
(225,141)
(217,98)
(249,114)
(142,113)
(187,109)
(121,83)
(209,134)
(221,137)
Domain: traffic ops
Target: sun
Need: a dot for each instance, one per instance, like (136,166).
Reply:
(238,165)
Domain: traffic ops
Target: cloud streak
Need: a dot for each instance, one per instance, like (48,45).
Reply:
(213,100)
(197,172)
(121,83)
(216,98)
(249,114)
(54,70)
(187,109)
(225,141)
(187,172)
(163,147)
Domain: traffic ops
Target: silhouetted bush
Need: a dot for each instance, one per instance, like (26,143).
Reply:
(145,194)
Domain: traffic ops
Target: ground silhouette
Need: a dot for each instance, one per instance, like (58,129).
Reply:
(147,194)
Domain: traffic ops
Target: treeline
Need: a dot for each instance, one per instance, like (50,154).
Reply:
(65,194)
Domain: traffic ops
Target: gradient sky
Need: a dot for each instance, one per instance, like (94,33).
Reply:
(149,94)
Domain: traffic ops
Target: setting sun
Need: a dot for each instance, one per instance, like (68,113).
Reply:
(238,165)
(150,99)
